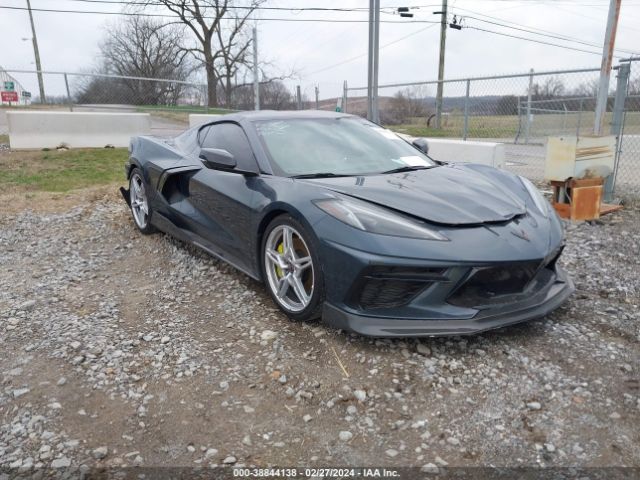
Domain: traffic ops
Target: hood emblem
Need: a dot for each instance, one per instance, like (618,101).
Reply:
(521,234)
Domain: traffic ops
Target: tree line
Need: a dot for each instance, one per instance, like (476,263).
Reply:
(551,94)
(210,37)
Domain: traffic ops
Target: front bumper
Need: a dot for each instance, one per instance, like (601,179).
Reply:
(536,306)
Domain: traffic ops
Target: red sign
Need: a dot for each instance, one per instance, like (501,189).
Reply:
(9,96)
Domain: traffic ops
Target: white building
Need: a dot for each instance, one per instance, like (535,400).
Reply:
(24,97)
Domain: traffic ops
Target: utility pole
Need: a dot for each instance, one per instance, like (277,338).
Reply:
(36,52)
(443,41)
(372,73)
(605,67)
(376,59)
(317,98)
(256,71)
(298,97)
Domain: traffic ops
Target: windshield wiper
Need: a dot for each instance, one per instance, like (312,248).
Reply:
(320,175)
(407,168)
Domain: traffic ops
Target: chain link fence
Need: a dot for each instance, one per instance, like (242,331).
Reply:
(627,175)
(520,110)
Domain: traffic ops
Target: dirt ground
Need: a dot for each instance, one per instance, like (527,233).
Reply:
(123,349)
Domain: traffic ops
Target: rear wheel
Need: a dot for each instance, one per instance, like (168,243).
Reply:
(292,269)
(140,209)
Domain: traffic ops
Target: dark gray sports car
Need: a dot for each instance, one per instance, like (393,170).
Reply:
(343,219)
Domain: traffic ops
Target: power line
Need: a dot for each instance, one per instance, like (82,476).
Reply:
(535,41)
(228,7)
(549,35)
(243,7)
(351,59)
(132,14)
(507,21)
(556,5)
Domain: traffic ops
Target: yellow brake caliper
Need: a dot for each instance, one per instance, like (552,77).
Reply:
(279,271)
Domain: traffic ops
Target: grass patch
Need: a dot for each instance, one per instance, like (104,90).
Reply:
(186,108)
(496,126)
(180,113)
(4,139)
(506,126)
(61,171)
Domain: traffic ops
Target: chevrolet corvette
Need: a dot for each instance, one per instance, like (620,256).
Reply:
(345,220)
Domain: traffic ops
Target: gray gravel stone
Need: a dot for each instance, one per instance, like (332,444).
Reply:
(100,453)
(62,462)
(360,395)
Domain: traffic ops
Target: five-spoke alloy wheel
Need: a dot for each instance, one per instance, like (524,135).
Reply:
(139,202)
(292,272)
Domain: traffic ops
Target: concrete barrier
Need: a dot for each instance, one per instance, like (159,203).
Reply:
(36,129)
(457,150)
(196,119)
(448,150)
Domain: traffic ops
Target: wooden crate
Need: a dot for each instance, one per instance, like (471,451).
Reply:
(585,198)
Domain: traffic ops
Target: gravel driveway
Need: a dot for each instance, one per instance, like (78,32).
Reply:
(120,349)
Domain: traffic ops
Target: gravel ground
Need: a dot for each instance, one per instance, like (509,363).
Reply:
(122,349)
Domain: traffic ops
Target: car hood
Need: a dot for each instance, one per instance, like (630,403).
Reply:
(451,195)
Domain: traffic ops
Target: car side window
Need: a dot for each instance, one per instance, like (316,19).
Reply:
(231,137)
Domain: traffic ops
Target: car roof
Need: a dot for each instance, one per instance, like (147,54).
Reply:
(281,114)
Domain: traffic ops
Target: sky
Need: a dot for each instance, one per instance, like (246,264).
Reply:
(325,54)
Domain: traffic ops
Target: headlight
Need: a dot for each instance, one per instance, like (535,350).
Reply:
(540,202)
(370,218)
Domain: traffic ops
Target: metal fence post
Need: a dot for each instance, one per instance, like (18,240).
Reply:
(299,97)
(527,125)
(617,124)
(317,98)
(466,111)
(69,101)
(519,121)
(579,118)
(345,89)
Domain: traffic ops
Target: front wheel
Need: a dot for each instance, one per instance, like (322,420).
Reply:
(292,269)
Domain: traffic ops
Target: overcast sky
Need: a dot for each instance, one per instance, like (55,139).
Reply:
(69,42)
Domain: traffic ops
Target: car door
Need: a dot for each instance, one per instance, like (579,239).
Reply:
(224,200)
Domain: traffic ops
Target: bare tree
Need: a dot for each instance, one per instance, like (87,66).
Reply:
(234,46)
(143,47)
(407,103)
(219,27)
(588,89)
(274,95)
(140,47)
(552,87)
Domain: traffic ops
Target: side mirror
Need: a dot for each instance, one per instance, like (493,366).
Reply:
(217,159)
(421,144)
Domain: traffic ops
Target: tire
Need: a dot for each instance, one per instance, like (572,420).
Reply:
(284,276)
(139,202)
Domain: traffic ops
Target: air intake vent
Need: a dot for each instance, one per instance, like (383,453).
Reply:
(379,293)
(494,285)
(392,286)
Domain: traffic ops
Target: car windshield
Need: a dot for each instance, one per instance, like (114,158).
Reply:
(335,146)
